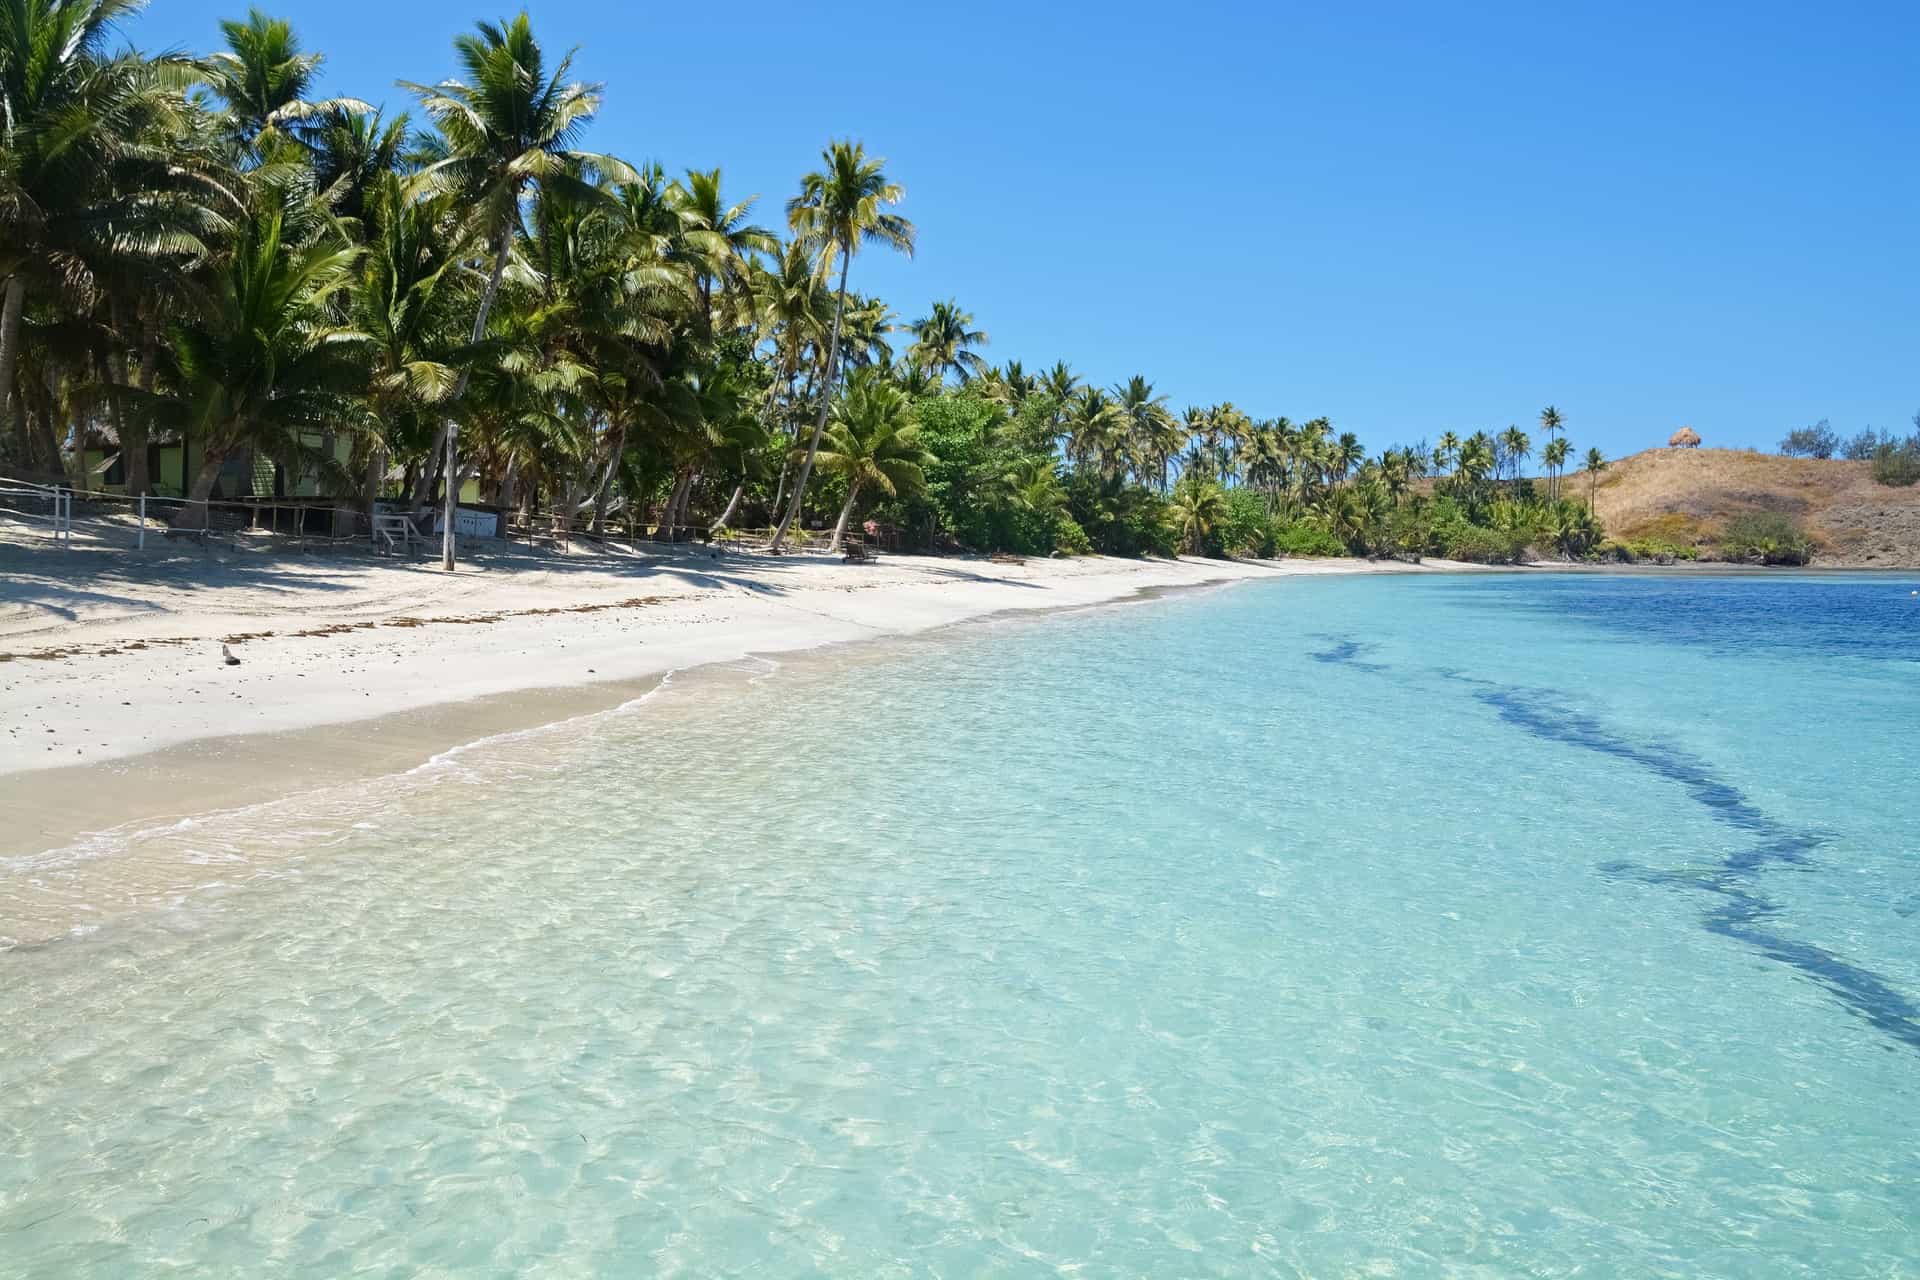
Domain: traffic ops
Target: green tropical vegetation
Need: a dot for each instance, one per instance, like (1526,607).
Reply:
(466,304)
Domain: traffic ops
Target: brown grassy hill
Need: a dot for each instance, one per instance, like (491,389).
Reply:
(1686,495)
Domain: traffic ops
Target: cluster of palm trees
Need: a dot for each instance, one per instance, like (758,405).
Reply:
(198,249)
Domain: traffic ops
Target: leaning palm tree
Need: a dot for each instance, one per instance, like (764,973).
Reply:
(872,444)
(508,126)
(944,342)
(839,209)
(1596,463)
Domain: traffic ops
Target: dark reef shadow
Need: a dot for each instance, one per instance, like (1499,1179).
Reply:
(1736,909)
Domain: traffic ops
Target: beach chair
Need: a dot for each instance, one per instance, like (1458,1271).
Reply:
(859,553)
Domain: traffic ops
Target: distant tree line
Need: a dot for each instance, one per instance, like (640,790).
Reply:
(1896,458)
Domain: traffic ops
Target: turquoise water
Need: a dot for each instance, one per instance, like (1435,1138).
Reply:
(1476,926)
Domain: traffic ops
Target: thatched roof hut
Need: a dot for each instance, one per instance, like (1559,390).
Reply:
(1684,438)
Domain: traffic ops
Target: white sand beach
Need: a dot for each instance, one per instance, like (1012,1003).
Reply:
(111,657)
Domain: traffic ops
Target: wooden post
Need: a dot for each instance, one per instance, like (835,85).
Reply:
(142,545)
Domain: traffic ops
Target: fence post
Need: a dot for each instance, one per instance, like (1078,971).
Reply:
(142,544)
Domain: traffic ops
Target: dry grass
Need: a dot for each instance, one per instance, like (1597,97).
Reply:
(1686,495)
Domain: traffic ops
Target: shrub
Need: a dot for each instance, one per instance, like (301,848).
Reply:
(1478,545)
(1816,441)
(1897,464)
(1069,539)
(1303,538)
(1647,550)
(1765,537)
(1245,529)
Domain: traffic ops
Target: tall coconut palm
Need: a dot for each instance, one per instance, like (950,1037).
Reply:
(1596,462)
(262,77)
(1555,457)
(1347,454)
(944,342)
(1151,428)
(872,444)
(840,208)
(792,306)
(508,126)
(1551,422)
(1518,447)
(720,237)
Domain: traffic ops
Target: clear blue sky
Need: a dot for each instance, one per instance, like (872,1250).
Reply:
(1407,217)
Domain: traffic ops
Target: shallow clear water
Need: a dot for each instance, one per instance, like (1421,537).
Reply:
(1435,926)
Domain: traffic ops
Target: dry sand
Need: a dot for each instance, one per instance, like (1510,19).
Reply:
(116,704)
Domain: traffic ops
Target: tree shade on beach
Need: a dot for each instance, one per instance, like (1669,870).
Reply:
(472,306)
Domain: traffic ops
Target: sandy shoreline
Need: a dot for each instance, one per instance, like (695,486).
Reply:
(118,707)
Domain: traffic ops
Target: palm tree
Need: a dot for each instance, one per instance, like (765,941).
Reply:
(944,343)
(1198,506)
(1347,454)
(409,301)
(261,366)
(872,443)
(1094,426)
(790,303)
(722,241)
(1032,485)
(1475,458)
(1151,428)
(508,126)
(1555,456)
(839,209)
(1596,463)
(93,180)
(1517,446)
(1551,422)
(263,78)
(1446,451)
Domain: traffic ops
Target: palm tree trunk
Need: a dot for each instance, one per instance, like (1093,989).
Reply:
(509,487)
(194,514)
(727,515)
(840,529)
(670,515)
(501,242)
(370,484)
(786,454)
(826,400)
(615,443)
(15,299)
(46,433)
